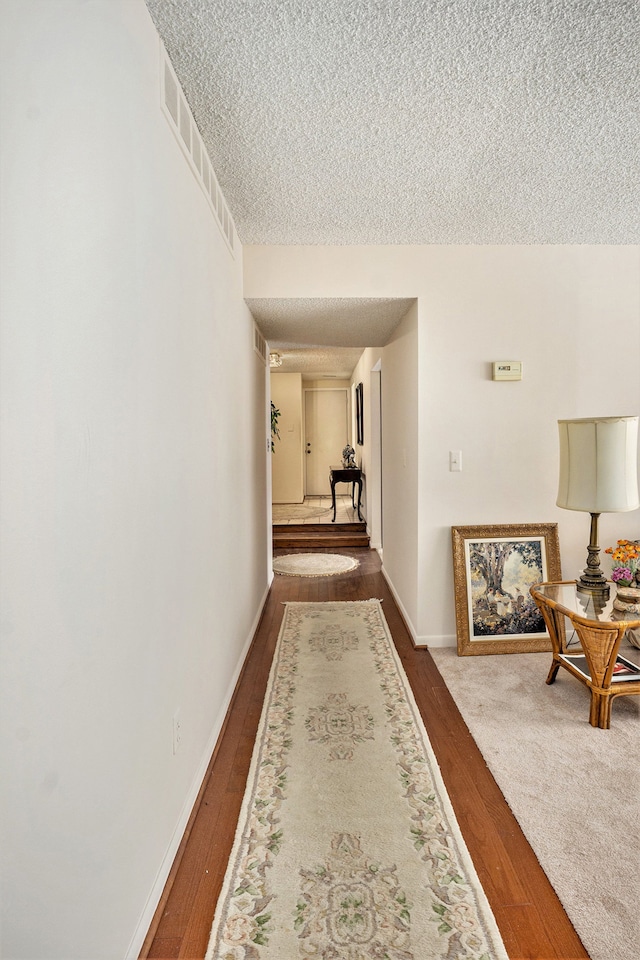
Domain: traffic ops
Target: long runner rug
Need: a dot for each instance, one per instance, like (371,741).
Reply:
(347,846)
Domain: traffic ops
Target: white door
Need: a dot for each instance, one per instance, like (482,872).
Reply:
(326,431)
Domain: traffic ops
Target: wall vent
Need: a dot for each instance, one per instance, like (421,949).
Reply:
(178,115)
(197,155)
(260,345)
(185,123)
(170,94)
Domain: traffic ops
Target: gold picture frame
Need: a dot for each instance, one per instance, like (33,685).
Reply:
(493,568)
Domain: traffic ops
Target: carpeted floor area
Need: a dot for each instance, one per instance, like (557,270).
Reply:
(573,788)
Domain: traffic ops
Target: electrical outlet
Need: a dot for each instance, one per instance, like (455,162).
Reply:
(177,731)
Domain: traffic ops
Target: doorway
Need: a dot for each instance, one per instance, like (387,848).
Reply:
(326,433)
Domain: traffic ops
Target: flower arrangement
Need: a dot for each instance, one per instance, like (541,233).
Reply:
(626,562)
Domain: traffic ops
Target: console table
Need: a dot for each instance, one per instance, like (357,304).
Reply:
(600,629)
(346,475)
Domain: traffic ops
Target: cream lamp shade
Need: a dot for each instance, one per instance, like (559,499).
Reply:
(598,474)
(599,464)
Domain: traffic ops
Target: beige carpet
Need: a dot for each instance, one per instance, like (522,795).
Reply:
(314,564)
(347,847)
(572,787)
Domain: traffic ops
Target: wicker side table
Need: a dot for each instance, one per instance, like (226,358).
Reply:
(600,629)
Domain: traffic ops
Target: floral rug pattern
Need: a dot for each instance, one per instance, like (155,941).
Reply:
(333,641)
(360,859)
(340,724)
(350,903)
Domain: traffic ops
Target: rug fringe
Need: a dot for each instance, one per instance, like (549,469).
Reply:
(317,603)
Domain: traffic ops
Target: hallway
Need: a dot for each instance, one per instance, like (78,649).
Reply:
(531,919)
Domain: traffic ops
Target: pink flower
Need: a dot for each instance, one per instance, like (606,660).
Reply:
(622,575)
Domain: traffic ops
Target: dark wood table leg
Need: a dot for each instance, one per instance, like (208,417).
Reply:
(359,482)
(333,497)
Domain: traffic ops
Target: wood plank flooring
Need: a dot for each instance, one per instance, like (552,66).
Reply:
(311,536)
(531,919)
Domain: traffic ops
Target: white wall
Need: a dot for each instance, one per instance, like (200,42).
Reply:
(286,462)
(564,312)
(400,495)
(570,313)
(134,546)
(397,430)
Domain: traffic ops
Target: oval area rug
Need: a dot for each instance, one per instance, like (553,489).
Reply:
(313,564)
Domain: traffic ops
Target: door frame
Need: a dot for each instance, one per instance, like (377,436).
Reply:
(305,391)
(374,481)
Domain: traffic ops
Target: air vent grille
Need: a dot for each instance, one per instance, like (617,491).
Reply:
(179,118)
(260,345)
(185,123)
(170,94)
(197,154)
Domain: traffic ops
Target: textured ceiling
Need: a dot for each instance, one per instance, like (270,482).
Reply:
(415,121)
(325,336)
(328,321)
(318,363)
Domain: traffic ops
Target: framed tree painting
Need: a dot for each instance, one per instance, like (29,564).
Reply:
(493,569)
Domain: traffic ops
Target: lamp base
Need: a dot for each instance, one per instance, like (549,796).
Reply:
(596,586)
(593,580)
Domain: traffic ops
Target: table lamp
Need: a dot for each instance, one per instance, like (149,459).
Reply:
(598,474)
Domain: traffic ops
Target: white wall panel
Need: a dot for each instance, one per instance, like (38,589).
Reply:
(134,523)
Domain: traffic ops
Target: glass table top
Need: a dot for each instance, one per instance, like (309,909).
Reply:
(586,605)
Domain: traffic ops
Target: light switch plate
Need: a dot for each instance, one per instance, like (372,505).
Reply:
(455,461)
(507,370)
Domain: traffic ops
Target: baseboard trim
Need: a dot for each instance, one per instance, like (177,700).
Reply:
(152,912)
(403,613)
(446,640)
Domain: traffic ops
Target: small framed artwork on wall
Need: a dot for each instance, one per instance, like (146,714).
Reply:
(493,569)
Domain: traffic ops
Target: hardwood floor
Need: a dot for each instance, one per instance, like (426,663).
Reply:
(531,919)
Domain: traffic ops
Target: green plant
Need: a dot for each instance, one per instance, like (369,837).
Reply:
(275,415)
